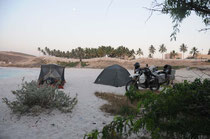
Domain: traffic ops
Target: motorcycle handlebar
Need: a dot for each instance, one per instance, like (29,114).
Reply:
(144,70)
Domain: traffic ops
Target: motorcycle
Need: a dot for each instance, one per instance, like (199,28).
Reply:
(151,78)
(166,76)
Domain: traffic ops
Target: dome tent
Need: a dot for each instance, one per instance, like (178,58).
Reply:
(51,74)
(114,75)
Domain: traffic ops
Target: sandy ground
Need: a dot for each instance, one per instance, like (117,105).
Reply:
(85,116)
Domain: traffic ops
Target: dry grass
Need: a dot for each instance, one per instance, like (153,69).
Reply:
(128,64)
(117,104)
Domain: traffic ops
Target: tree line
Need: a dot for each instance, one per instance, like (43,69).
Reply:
(119,52)
(183,48)
(81,53)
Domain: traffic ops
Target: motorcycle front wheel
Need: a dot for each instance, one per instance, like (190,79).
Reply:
(154,84)
(131,83)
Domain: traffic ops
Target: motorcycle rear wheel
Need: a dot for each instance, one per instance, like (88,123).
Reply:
(154,85)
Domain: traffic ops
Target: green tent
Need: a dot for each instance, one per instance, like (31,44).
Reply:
(51,74)
(114,75)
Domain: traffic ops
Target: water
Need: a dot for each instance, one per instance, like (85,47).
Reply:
(15,72)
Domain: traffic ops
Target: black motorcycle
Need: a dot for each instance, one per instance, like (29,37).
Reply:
(143,78)
(151,77)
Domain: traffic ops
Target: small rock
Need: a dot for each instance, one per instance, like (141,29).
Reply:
(188,68)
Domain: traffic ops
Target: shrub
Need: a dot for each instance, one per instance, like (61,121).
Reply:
(84,64)
(32,98)
(179,112)
(68,64)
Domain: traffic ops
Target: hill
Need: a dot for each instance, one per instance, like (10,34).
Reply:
(17,59)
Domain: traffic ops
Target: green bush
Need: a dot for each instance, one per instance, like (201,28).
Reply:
(32,98)
(68,64)
(84,64)
(179,112)
(72,64)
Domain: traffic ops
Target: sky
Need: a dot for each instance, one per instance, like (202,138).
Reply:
(26,25)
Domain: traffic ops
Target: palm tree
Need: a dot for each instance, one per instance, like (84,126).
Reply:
(87,53)
(39,49)
(183,49)
(152,50)
(44,53)
(80,53)
(139,52)
(119,51)
(101,51)
(162,49)
(194,51)
(109,50)
(54,52)
(122,51)
(131,53)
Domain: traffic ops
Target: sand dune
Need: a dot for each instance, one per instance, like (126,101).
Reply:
(85,116)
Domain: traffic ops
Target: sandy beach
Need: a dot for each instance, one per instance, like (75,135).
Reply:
(85,117)
(72,41)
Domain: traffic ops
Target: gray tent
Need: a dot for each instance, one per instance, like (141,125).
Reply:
(51,72)
(114,75)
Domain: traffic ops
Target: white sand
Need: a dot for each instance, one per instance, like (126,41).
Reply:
(85,116)
(56,125)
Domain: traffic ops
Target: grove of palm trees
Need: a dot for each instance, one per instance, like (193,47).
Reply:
(88,53)
(119,52)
